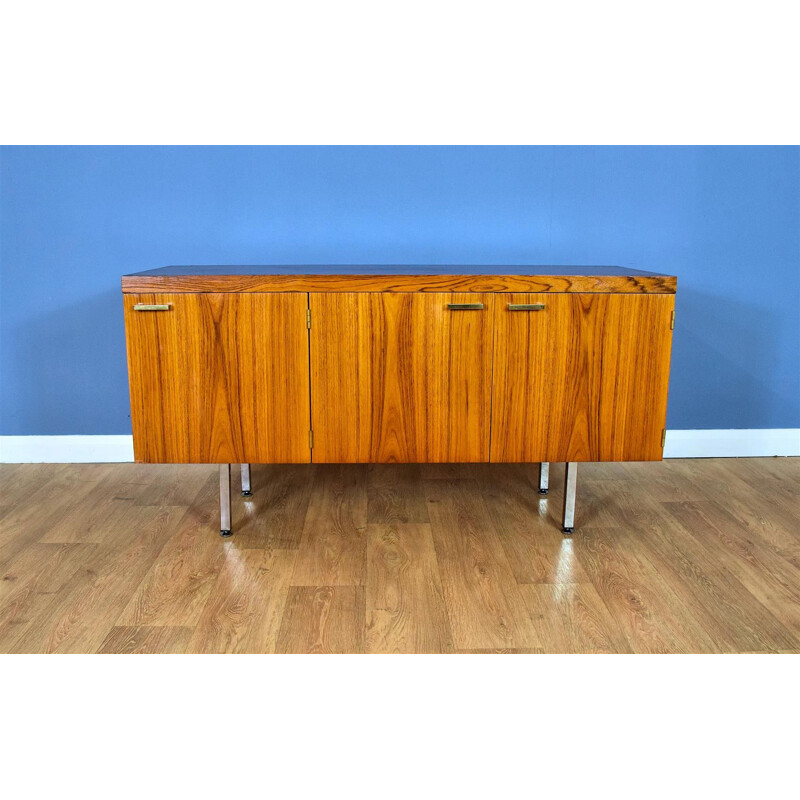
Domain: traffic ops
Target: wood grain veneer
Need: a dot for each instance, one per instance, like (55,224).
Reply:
(388,373)
(219,378)
(584,379)
(626,284)
(400,377)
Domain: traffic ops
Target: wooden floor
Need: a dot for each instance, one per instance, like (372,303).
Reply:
(680,556)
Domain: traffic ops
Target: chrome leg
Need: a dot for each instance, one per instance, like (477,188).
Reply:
(246,480)
(224,499)
(570,487)
(544,477)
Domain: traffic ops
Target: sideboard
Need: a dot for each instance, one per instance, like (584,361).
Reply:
(414,364)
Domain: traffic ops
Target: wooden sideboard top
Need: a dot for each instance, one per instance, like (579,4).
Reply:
(398,278)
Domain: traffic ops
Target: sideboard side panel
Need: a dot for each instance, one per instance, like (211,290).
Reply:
(583,379)
(219,378)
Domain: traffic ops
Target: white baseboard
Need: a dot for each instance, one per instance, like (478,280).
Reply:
(65,449)
(736,443)
(680,444)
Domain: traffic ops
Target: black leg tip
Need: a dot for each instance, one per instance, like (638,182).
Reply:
(543,491)
(247,493)
(225,533)
(567,530)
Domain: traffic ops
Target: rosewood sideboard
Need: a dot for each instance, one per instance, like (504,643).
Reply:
(366,364)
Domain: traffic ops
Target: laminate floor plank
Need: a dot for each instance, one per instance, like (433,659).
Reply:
(143,639)
(170,484)
(274,516)
(771,579)
(245,609)
(776,523)
(23,480)
(536,549)
(333,546)
(38,512)
(405,609)
(777,474)
(323,619)
(175,590)
(662,481)
(32,580)
(94,519)
(572,618)
(680,556)
(394,494)
(774,520)
(792,556)
(735,618)
(79,617)
(650,614)
(35,563)
(504,651)
(484,604)
(607,503)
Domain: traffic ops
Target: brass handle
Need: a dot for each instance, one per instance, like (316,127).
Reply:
(152,307)
(526,306)
(465,306)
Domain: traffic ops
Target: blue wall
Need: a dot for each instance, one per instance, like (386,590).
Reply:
(73,219)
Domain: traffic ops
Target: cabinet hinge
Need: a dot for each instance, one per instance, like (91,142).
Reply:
(672,321)
(311,440)
(663,437)
(308,318)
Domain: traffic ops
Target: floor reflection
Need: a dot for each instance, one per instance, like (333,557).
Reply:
(565,563)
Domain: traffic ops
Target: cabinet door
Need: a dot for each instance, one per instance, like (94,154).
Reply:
(584,378)
(400,377)
(219,378)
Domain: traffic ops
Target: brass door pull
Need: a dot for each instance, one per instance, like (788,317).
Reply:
(152,307)
(465,306)
(526,306)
